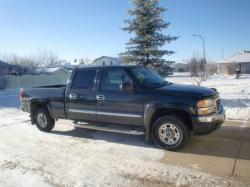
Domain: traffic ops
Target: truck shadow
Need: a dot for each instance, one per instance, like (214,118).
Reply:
(133,140)
(228,141)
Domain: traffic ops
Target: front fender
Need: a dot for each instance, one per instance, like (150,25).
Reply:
(150,110)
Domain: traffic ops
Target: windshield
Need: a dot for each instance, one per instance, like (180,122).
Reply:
(148,78)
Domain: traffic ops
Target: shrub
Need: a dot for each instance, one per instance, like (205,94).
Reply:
(231,68)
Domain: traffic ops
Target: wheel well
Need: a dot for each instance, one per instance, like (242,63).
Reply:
(179,113)
(33,107)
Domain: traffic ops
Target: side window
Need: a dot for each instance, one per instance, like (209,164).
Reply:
(112,79)
(84,79)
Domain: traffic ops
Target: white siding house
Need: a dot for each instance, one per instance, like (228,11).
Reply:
(241,60)
(106,61)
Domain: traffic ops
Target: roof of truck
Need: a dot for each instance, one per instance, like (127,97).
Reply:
(113,66)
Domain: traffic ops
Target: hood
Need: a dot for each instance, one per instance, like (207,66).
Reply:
(181,89)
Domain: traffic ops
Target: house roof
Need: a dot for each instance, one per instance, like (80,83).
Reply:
(240,57)
(112,58)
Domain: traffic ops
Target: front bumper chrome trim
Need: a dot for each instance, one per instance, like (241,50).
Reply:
(218,117)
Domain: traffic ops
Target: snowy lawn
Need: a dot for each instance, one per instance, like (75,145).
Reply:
(234,93)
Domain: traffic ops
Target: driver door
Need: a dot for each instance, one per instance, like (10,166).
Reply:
(115,105)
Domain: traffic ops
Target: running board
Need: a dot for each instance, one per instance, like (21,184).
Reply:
(110,128)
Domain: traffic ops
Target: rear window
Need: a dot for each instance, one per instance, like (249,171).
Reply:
(84,79)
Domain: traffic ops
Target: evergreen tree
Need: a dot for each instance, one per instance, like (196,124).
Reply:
(145,48)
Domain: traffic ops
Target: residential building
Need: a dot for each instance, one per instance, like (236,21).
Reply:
(239,61)
(106,61)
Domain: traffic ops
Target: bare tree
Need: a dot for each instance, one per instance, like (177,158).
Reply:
(43,59)
(84,61)
(196,69)
(28,63)
(211,68)
(231,68)
(47,58)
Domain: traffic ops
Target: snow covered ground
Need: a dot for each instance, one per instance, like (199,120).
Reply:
(234,93)
(69,157)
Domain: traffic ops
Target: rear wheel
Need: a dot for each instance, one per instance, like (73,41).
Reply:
(43,120)
(170,132)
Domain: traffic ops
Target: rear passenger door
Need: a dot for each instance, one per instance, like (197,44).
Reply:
(115,105)
(81,96)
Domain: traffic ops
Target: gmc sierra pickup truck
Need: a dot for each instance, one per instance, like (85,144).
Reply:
(127,99)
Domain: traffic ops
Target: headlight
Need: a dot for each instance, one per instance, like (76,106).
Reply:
(206,106)
(205,103)
(207,110)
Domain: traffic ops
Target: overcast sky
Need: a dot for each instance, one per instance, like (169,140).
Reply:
(92,28)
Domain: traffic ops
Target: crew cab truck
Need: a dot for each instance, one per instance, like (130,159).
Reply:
(127,99)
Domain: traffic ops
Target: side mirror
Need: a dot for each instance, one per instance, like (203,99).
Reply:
(126,86)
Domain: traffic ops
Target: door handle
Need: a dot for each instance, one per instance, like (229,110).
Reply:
(100,97)
(72,96)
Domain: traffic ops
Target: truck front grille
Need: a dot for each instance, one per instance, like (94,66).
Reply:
(218,104)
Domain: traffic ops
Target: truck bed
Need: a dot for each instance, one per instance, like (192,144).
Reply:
(53,95)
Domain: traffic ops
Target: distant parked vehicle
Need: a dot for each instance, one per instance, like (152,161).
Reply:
(127,99)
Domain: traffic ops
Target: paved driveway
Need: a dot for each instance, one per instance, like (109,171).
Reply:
(225,152)
(70,157)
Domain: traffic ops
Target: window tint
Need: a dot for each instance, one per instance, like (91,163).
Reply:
(84,79)
(113,79)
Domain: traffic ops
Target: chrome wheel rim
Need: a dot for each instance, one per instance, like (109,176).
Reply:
(169,134)
(42,120)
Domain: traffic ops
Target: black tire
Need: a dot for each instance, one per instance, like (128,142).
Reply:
(48,124)
(175,130)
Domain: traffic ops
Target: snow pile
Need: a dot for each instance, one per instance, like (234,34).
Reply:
(234,93)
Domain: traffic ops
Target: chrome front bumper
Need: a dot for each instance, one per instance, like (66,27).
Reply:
(218,117)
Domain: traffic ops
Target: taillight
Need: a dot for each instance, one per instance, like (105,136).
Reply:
(21,94)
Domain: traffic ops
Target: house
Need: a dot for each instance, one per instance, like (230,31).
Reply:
(239,61)
(107,61)
(180,67)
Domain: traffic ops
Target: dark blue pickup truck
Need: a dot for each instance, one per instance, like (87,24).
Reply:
(127,99)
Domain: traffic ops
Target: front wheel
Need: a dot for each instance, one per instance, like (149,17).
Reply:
(43,120)
(170,132)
